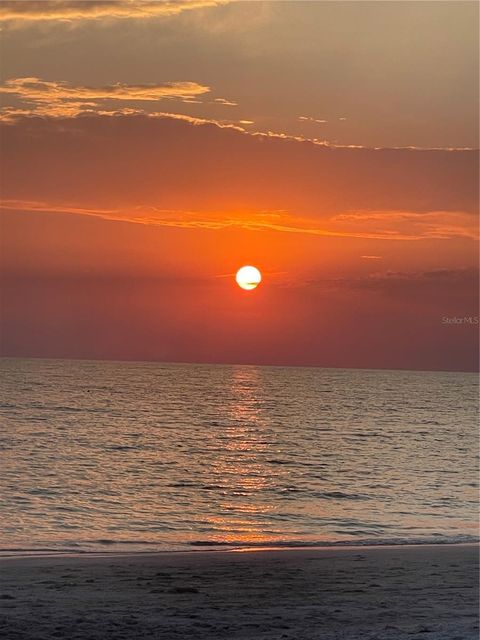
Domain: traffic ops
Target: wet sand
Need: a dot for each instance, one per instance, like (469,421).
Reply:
(424,592)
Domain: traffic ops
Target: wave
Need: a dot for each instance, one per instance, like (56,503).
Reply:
(366,542)
(120,547)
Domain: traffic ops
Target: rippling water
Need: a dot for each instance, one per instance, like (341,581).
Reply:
(145,456)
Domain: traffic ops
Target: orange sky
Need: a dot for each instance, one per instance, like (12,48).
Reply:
(131,195)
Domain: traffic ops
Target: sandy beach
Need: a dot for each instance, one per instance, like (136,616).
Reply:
(355,593)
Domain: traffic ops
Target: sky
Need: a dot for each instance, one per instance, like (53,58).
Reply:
(150,149)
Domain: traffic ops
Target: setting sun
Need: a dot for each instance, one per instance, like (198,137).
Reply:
(248,277)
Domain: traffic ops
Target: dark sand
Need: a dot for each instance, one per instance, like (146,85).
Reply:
(424,592)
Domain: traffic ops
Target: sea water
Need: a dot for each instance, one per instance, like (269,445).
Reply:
(124,456)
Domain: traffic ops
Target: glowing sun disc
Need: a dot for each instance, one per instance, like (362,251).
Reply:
(248,277)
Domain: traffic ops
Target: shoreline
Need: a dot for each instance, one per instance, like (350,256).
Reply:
(387,593)
(32,554)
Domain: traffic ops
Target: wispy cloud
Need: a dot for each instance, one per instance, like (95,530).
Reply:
(309,119)
(227,103)
(281,221)
(28,11)
(431,224)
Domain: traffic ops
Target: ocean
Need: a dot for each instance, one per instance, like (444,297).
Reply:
(131,457)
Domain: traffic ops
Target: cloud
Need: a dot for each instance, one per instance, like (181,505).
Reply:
(37,90)
(445,291)
(431,224)
(28,11)
(279,221)
(58,99)
(435,284)
(227,103)
(460,277)
(176,170)
(309,119)
(61,98)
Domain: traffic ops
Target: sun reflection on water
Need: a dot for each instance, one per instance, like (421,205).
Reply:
(248,438)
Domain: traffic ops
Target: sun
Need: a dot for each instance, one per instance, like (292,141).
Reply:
(248,277)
